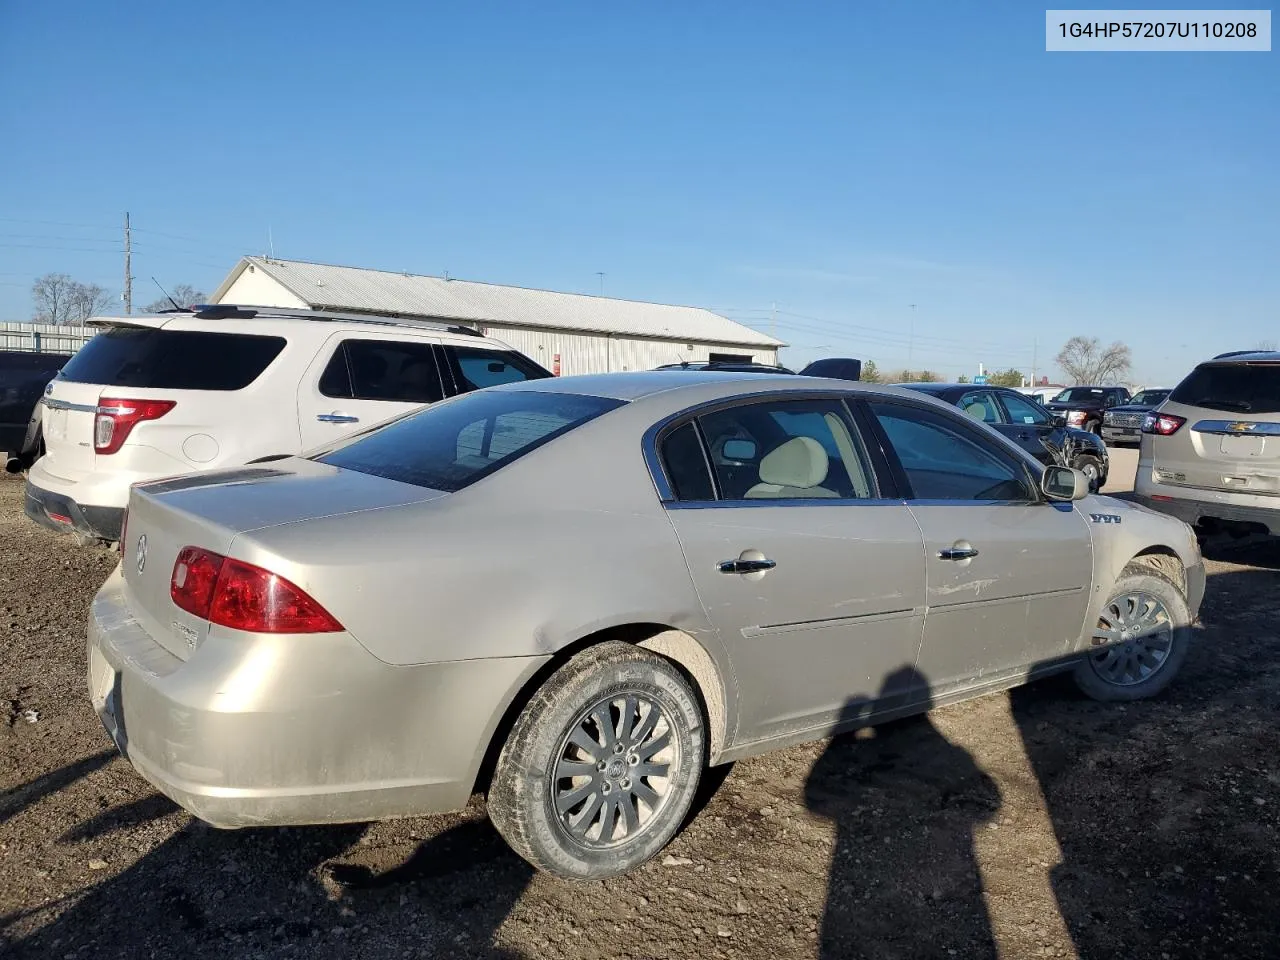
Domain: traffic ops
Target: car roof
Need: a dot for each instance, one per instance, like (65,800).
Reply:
(706,385)
(213,316)
(1245,356)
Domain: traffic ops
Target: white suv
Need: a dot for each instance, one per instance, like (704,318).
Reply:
(158,396)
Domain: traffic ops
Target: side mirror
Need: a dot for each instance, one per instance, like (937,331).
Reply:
(1064,483)
(739,450)
(1059,422)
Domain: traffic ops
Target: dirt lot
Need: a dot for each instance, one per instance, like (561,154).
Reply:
(1032,825)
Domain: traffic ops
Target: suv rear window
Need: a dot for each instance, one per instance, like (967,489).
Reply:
(172,359)
(1237,387)
(454,444)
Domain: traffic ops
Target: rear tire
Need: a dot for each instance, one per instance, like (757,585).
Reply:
(602,765)
(1140,641)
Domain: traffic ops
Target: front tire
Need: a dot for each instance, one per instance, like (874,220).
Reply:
(602,765)
(1140,640)
(1091,467)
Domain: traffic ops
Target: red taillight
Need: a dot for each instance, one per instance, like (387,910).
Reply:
(116,417)
(1162,423)
(239,595)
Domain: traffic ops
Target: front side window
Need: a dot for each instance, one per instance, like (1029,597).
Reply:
(452,445)
(946,459)
(159,359)
(475,368)
(786,450)
(1021,410)
(392,370)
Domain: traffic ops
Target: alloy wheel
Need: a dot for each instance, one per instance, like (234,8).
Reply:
(1134,636)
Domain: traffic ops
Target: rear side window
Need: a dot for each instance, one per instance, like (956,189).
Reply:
(687,465)
(452,445)
(172,359)
(1235,387)
(394,370)
(475,368)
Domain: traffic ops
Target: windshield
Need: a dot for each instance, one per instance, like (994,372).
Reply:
(1235,387)
(1150,398)
(454,444)
(1080,395)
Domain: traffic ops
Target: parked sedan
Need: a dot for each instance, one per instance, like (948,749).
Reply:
(1039,432)
(1123,424)
(577,593)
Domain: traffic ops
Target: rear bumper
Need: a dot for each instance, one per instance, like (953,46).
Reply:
(257,730)
(1193,511)
(61,513)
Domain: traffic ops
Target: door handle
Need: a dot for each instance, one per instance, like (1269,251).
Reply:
(745,566)
(336,418)
(957,553)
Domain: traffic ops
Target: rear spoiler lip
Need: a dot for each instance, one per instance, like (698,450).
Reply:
(136,323)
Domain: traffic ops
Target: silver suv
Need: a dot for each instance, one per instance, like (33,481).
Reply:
(1211,452)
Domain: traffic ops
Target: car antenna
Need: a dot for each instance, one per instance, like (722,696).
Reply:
(166,294)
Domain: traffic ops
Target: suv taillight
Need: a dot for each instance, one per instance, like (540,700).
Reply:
(116,418)
(239,595)
(1163,424)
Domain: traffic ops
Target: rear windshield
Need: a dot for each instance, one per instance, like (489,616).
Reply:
(1151,397)
(1080,395)
(453,444)
(172,359)
(1235,387)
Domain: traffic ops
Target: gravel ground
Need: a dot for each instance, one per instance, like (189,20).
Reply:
(1036,824)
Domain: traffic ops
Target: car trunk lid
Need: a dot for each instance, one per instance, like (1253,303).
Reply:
(67,425)
(210,510)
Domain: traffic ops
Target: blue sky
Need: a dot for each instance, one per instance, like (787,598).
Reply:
(839,160)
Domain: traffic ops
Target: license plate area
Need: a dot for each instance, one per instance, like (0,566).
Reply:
(1243,446)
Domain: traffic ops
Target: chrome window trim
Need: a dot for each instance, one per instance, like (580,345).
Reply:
(779,502)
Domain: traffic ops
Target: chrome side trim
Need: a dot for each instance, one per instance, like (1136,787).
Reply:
(64,405)
(780,502)
(765,631)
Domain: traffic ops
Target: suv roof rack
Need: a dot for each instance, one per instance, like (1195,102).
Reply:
(234,311)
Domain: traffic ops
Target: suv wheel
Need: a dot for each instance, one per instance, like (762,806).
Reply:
(1140,640)
(601,767)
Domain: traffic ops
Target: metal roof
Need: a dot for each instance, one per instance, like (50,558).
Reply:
(327,287)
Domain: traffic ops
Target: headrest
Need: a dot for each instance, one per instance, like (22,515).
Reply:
(800,462)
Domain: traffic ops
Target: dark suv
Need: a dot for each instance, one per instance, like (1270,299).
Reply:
(1084,407)
(1123,423)
(23,377)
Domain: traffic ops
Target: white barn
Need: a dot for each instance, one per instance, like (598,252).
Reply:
(568,333)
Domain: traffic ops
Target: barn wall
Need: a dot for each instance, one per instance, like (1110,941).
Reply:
(255,288)
(44,337)
(594,353)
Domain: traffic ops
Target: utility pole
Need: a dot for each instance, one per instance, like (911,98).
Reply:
(128,268)
(600,274)
(1035,356)
(773,320)
(911,338)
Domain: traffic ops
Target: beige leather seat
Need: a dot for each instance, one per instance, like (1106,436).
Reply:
(795,469)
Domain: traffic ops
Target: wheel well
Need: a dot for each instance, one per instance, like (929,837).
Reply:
(1165,562)
(675,645)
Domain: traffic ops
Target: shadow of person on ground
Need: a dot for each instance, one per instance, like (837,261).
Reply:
(1165,851)
(905,802)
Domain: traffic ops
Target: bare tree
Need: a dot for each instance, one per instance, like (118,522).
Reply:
(184,294)
(87,300)
(1085,360)
(1266,346)
(51,295)
(59,299)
